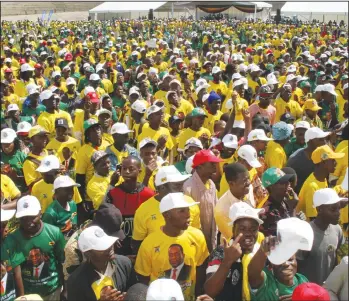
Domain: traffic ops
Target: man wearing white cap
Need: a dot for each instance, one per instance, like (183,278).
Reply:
(176,251)
(43,250)
(26,76)
(14,117)
(298,141)
(192,146)
(329,106)
(319,261)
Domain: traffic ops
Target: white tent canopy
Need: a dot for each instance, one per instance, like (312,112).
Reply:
(315,7)
(120,7)
(262,4)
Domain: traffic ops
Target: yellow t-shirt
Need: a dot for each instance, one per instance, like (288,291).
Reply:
(253,85)
(306,195)
(220,88)
(29,168)
(293,108)
(342,164)
(44,193)
(185,108)
(108,138)
(9,188)
(21,87)
(11,99)
(158,251)
(211,119)
(72,143)
(78,127)
(47,121)
(108,85)
(188,133)
(161,95)
(97,189)
(341,102)
(148,132)
(148,218)
(275,155)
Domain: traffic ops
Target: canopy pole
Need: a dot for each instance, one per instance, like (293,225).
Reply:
(255,12)
(172,9)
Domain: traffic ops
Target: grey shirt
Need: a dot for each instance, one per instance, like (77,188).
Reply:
(318,263)
(303,166)
(337,282)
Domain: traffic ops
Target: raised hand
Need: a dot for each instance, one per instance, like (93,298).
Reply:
(232,252)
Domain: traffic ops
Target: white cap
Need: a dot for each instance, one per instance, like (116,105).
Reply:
(8,60)
(94,76)
(8,135)
(243,68)
(153,109)
(139,75)
(94,238)
(178,60)
(6,215)
(169,93)
(169,174)
(146,141)
(345,86)
(293,235)
(292,68)
(104,111)
(174,200)
(12,107)
(216,69)
(164,289)
(139,106)
(153,70)
(243,210)
(239,124)
(236,76)
(50,162)
(237,83)
(314,133)
(230,141)
(319,88)
(134,53)
(255,68)
(133,90)
(330,89)
(290,77)
(86,65)
(28,206)
(120,128)
(302,125)
(70,81)
(88,89)
(189,164)
(201,83)
(46,94)
(23,127)
(26,67)
(63,182)
(345,181)
(249,153)
(272,80)
(33,90)
(55,73)
(326,196)
(193,142)
(257,134)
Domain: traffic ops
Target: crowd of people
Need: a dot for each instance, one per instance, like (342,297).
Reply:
(174,160)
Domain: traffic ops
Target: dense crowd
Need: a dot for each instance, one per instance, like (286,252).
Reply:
(174,159)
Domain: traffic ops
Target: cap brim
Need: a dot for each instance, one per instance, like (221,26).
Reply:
(123,132)
(282,252)
(258,220)
(255,163)
(27,213)
(231,145)
(119,234)
(284,179)
(107,242)
(8,140)
(6,215)
(337,156)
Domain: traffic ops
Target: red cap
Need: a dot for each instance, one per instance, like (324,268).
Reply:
(37,66)
(8,70)
(22,61)
(310,292)
(269,51)
(68,57)
(44,43)
(204,156)
(248,50)
(93,97)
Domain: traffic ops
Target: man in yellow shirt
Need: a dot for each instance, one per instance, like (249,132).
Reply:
(324,159)
(284,104)
(176,251)
(217,85)
(47,119)
(214,114)
(9,193)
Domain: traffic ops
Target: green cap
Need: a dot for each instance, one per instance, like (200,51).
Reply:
(274,175)
(304,84)
(90,123)
(345,76)
(198,112)
(90,69)
(270,67)
(162,74)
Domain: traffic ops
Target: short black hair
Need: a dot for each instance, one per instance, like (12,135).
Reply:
(137,292)
(130,157)
(233,170)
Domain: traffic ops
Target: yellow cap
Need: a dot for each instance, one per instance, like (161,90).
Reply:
(311,104)
(323,153)
(35,130)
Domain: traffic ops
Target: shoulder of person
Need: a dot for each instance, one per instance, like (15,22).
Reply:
(123,262)
(51,230)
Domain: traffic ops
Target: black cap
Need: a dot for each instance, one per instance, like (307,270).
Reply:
(109,218)
(287,117)
(174,119)
(61,122)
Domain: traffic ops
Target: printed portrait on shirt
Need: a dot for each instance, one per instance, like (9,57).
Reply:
(37,265)
(179,270)
(8,291)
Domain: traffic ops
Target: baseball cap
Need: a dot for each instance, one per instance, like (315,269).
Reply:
(120,128)
(193,142)
(257,134)
(8,135)
(196,112)
(146,141)
(139,106)
(255,68)
(272,80)
(9,70)
(201,84)
(37,130)
(236,76)
(323,153)
(216,69)
(61,122)
(310,292)
(288,118)
(206,63)
(90,123)
(164,289)
(93,97)
(249,153)
(133,90)
(8,60)
(302,125)
(169,174)
(94,238)
(55,73)
(293,235)
(104,111)
(290,77)
(330,89)
(204,156)
(7,214)
(291,68)
(188,165)
(326,196)
(63,182)
(173,201)
(26,67)
(281,131)
(98,155)
(169,93)
(23,127)
(311,104)
(213,96)
(315,133)
(46,94)
(12,107)
(94,76)
(273,176)
(243,210)
(49,163)
(230,141)
(28,206)
(70,81)
(153,109)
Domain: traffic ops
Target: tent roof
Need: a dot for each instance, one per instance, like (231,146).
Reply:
(315,7)
(118,7)
(262,4)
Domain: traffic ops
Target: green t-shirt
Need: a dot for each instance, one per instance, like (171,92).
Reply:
(63,106)
(82,84)
(16,161)
(292,147)
(42,255)
(206,76)
(26,111)
(181,167)
(272,290)
(9,257)
(65,220)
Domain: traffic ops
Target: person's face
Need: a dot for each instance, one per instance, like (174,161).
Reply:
(260,145)
(198,121)
(330,165)
(94,83)
(286,93)
(64,194)
(173,99)
(265,101)
(157,117)
(57,79)
(95,134)
(215,106)
(8,148)
(50,176)
(176,256)
(249,228)
(241,90)
(148,153)
(330,213)
(71,88)
(278,190)
(179,218)
(208,168)
(61,132)
(98,258)
(285,272)
(30,224)
(51,62)
(130,169)
(300,132)
(102,166)
(311,114)
(104,120)
(50,103)
(241,186)
(121,139)
(192,150)
(133,97)
(39,141)
(36,257)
